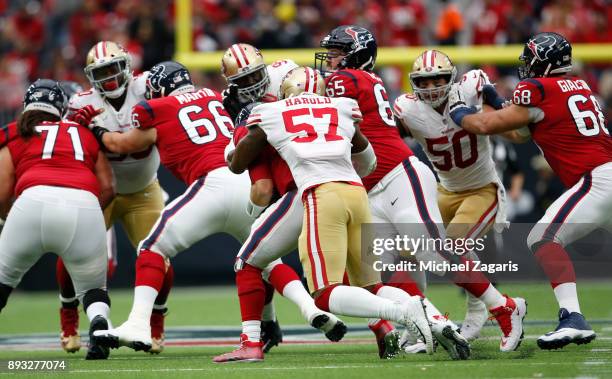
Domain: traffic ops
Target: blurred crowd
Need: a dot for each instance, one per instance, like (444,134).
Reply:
(50,38)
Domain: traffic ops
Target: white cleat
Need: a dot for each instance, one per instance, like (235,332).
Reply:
(410,344)
(415,320)
(510,319)
(447,335)
(475,318)
(136,336)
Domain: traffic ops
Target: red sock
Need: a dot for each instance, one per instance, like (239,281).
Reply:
(162,296)
(251,292)
(345,279)
(150,270)
(403,281)
(556,264)
(474,282)
(322,297)
(381,328)
(280,276)
(63,280)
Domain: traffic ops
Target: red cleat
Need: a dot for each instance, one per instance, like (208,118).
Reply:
(387,339)
(247,352)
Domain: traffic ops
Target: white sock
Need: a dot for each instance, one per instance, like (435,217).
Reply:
(252,329)
(295,291)
(159,307)
(396,294)
(358,302)
(144,298)
(97,308)
(268,314)
(492,298)
(567,297)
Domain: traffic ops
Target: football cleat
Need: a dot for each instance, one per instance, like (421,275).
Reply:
(415,320)
(510,319)
(572,328)
(447,335)
(475,318)
(134,335)
(248,351)
(387,339)
(157,330)
(329,324)
(271,334)
(69,337)
(96,350)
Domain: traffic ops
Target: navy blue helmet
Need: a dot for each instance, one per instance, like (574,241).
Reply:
(45,95)
(356,43)
(166,77)
(545,54)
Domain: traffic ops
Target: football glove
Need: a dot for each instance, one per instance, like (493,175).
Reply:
(231,103)
(457,107)
(84,115)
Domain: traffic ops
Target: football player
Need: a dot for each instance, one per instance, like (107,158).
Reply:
(471,196)
(273,235)
(139,199)
(61,179)
(191,129)
(318,137)
(402,189)
(568,125)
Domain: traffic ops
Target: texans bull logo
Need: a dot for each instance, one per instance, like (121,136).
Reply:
(542,48)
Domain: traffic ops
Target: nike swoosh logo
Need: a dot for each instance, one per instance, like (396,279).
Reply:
(520,86)
(393,202)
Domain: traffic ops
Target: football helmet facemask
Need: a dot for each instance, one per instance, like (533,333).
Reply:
(302,79)
(357,46)
(108,68)
(545,54)
(45,95)
(243,65)
(432,64)
(168,78)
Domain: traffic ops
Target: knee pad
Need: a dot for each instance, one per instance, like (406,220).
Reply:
(94,296)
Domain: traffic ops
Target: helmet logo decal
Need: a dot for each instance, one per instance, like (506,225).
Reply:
(361,37)
(157,74)
(541,49)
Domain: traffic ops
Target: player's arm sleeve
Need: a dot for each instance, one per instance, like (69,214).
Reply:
(250,146)
(530,93)
(7,181)
(401,116)
(342,84)
(362,154)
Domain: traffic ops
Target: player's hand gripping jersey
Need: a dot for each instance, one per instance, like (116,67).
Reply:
(378,124)
(133,172)
(462,160)
(192,131)
(567,124)
(314,140)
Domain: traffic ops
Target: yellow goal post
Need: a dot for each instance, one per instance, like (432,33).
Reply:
(387,56)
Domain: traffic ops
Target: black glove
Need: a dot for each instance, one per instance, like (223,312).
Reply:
(491,97)
(231,102)
(98,132)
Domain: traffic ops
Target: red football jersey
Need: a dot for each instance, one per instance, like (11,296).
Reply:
(572,134)
(192,131)
(268,165)
(378,124)
(7,133)
(64,155)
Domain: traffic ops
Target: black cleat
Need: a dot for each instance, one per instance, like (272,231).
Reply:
(271,334)
(96,350)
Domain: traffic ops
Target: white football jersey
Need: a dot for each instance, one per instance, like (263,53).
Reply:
(277,72)
(313,135)
(462,160)
(133,172)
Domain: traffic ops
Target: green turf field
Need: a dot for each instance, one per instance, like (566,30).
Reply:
(200,307)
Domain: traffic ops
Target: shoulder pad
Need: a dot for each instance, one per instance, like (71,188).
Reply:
(528,92)
(471,86)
